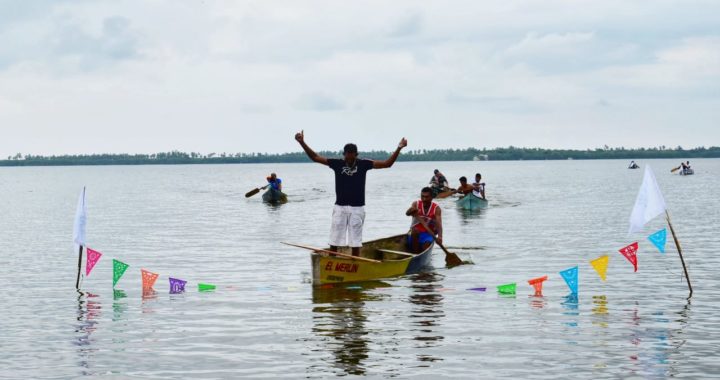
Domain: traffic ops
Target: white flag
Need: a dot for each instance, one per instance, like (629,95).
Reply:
(80,220)
(649,203)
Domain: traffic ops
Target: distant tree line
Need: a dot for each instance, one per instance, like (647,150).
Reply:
(468,154)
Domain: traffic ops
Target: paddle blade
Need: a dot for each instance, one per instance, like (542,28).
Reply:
(675,169)
(252,192)
(452,260)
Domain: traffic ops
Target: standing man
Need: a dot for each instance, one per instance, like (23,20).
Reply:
(350,172)
(431,214)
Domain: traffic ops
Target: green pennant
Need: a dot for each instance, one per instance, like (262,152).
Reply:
(205,287)
(507,289)
(119,269)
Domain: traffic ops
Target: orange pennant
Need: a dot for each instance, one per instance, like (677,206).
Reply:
(537,283)
(148,279)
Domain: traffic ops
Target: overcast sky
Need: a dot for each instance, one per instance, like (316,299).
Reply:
(242,76)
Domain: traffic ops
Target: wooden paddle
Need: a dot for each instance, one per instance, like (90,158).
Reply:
(333,253)
(255,191)
(445,194)
(451,259)
(675,169)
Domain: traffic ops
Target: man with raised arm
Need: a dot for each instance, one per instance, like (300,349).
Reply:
(350,172)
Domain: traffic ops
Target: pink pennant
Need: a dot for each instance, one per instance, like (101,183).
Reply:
(93,257)
(148,279)
(630,253)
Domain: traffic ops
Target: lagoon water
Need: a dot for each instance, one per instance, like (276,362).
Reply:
(194,223)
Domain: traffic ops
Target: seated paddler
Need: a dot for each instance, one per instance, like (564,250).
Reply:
(465,188)
(274,182)
(429,212)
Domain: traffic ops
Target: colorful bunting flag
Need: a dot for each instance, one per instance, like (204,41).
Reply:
(80,220)
(148,279)
(507,288)
(537,283)
(92,258)
(659,239)
(571,278)
(205,287)
(177,285)
(630,253)
(478,289)
(600,265)
(119,269)
(648,204)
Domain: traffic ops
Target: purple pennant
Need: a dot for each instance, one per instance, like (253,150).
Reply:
(177,285)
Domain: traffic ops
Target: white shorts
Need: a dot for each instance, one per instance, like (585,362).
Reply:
(347,226)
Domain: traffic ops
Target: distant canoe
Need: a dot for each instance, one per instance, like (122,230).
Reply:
(329,269)
(274,196)
(472,202)
(688,171)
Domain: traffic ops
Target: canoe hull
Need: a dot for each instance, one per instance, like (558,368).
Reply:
(333,269)
(687,172)
(472,202)
(274,196)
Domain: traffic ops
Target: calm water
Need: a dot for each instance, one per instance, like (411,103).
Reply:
(194,223)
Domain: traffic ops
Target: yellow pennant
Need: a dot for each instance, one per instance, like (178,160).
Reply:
(600,264)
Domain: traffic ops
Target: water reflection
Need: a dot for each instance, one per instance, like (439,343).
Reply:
(600,311)
(119,306)
(88,314)
(148,298)
(571,308)
(470,216)
(427,312)
(339,317)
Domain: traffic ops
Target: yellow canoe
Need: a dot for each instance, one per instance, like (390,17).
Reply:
(333,269)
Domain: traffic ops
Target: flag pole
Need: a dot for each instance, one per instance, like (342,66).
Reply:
(677,244)
(77,282)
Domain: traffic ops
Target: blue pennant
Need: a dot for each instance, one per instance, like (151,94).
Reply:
(659,239)
(571,278)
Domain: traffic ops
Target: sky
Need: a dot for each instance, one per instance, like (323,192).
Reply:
(243,76)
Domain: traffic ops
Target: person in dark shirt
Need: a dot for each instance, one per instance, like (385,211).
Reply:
(350,172)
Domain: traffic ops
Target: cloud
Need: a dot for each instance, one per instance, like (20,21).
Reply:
(320,102)
(126,76)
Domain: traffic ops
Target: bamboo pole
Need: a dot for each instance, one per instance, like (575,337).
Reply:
(677,244)
(77,281)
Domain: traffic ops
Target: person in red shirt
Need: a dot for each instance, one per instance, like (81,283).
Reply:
(431,214)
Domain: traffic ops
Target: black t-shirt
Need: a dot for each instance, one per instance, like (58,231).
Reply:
(350,181)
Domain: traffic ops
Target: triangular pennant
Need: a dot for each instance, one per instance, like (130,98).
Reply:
(659,239)
(148,279)
(648,204)
(177,285)
(119,269)
(205,287)
(600,265)
(507,288)
(92,258)
(537,283)
(570,276)
(630,253)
